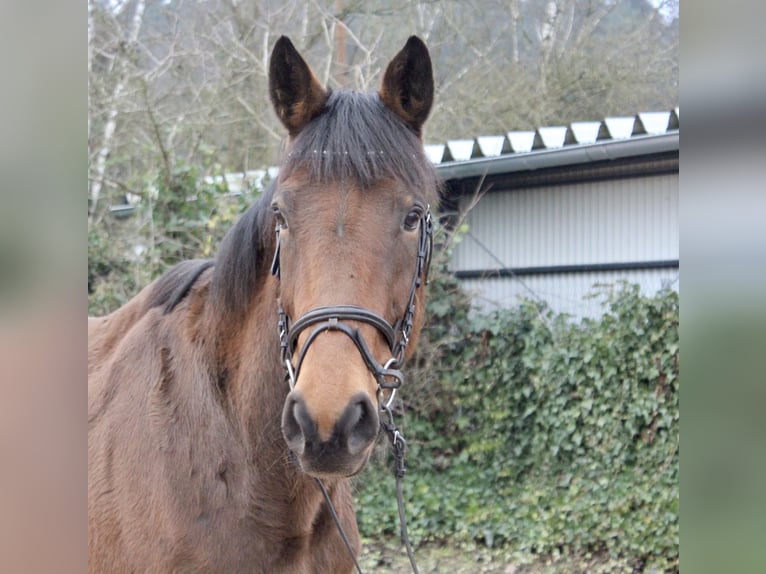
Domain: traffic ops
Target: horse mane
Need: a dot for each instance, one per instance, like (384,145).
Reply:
(173,286)
(236,265)
(238,261)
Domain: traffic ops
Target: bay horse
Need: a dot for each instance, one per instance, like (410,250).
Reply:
(202,452)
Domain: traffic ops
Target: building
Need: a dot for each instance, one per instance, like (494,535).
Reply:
(554,211)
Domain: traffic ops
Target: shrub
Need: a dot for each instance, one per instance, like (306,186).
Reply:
(181,216)
(545,435)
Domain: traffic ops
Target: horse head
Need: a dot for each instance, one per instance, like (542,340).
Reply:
(351,214)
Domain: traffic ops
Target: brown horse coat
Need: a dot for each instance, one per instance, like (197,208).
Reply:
(188,467)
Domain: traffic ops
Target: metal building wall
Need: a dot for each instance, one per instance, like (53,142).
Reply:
(577,294)
(602,222)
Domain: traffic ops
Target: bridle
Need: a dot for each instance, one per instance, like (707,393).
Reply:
(335,318)
(388,375)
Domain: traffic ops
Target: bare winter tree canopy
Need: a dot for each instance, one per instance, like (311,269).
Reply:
(180,84)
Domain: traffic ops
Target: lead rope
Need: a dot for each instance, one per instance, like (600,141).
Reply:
(338,524)
(399,446)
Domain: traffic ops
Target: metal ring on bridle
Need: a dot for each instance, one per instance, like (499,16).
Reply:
(290,374)
(391,397)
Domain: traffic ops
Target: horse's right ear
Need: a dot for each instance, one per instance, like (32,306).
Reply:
(295,92)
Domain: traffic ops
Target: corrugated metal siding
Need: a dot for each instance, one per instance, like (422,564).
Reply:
(616,221)
(565,292)
(598,222)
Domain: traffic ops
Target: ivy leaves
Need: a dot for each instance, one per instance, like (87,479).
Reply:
(548,435)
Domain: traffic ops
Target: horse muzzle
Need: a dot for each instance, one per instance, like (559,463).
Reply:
(347,448)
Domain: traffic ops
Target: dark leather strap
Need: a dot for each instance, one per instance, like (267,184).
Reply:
(341,313)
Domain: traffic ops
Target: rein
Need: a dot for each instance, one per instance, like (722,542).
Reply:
(388,376)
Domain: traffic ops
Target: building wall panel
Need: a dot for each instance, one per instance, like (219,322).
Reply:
(617,221)
(569,293)
(597,222)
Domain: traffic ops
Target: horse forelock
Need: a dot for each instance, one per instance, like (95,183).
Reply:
(357,138)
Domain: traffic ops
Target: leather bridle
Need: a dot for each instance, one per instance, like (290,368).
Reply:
(336,318)
(388,375)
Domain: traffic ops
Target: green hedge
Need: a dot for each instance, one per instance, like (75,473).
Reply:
(542,434)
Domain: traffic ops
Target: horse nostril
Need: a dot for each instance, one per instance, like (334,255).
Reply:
(359,423)
(298,427)
(353,432)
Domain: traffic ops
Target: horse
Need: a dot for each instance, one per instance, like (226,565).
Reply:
(220,393)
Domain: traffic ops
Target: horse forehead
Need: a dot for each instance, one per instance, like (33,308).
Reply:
(339,203)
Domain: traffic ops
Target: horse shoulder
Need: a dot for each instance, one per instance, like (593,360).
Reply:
(122,510)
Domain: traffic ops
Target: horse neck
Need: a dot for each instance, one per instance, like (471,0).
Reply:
(245,348)
(255,390)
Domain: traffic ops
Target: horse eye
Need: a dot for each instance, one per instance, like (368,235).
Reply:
(279,217)
(413,219)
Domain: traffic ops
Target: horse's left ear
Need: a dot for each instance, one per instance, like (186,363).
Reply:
(408,84)
(296,94)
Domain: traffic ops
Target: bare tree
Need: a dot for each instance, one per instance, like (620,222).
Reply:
(121,65)
(177,84)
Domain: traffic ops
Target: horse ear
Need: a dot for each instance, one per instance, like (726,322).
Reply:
(295,93)
(408,84)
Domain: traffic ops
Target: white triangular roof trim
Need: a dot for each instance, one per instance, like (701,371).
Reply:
(521,141)
(585,132)
(655,122)
(553,137)
(460,150)
(620,127)
(434,152)
(491,146)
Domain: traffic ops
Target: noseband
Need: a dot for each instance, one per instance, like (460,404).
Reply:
(336,318)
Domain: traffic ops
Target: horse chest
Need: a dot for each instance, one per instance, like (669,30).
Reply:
(252,547)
